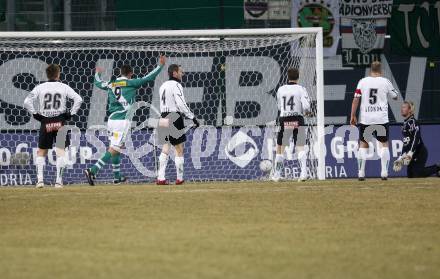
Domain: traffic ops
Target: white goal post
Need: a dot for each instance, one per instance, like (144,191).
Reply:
(232,79)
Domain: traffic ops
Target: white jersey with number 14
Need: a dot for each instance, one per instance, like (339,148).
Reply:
(374,92)
(292,100)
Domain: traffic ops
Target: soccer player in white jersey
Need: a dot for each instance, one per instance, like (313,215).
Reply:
(53,114)
(372,92)
(293,103)
(173,107)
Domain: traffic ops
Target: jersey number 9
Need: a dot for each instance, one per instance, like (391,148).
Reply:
(118,92)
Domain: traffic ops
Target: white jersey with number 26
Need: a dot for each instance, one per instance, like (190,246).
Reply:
(292,100)
(374,92)
(52,97)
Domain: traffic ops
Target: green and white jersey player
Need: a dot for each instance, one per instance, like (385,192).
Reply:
(121,96)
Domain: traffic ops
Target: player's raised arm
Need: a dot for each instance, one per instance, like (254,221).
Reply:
(151,76)
(98,81)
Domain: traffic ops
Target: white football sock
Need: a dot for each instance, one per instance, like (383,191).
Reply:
(179,161)
(384,154)
(61,164)
(40,162)
(362,160)
(279,160)
(163,161)
(302,159)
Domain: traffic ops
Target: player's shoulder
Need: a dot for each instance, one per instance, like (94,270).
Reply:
(282,87)
(363,79)
(64,86)
(291,87)
(49,84)
(411,122)
(39,86)
(381,79)
(170,83)
(387,81)
(302,88)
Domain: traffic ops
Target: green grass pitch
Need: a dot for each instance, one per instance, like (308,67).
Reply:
(330,229)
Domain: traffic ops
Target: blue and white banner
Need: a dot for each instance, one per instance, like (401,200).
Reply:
(363,30)
(366,9)
(211,154)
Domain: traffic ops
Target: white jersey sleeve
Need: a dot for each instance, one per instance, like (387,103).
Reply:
(358,91)
(392,92)
(305,101)
(30,99)
(279,100)
(181,103)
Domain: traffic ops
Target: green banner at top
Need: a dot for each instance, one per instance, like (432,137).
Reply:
(415,28)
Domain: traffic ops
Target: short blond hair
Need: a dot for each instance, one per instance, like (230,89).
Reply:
(410,105)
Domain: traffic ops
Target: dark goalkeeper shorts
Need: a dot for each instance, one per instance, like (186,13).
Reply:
(289,127)
(367,132)
(49,131)
(175,133)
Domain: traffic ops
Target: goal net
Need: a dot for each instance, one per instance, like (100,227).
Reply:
(230,83)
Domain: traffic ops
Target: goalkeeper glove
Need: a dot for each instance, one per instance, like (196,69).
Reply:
(397,165)
(38,117)
(407,158)
(196,123)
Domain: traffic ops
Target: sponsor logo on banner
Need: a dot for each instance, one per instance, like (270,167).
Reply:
(244,159)
(363,29)
(267,10)
(323,14)
(211,154)
(366,8)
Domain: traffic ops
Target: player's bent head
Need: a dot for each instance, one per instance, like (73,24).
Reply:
(53,72)
(376,67)
(126,70)
(175,71)
(292,74)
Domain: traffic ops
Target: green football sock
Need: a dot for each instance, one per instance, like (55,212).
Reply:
(101,162)
(116,164)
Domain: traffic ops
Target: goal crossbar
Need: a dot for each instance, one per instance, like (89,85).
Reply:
(161,33)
